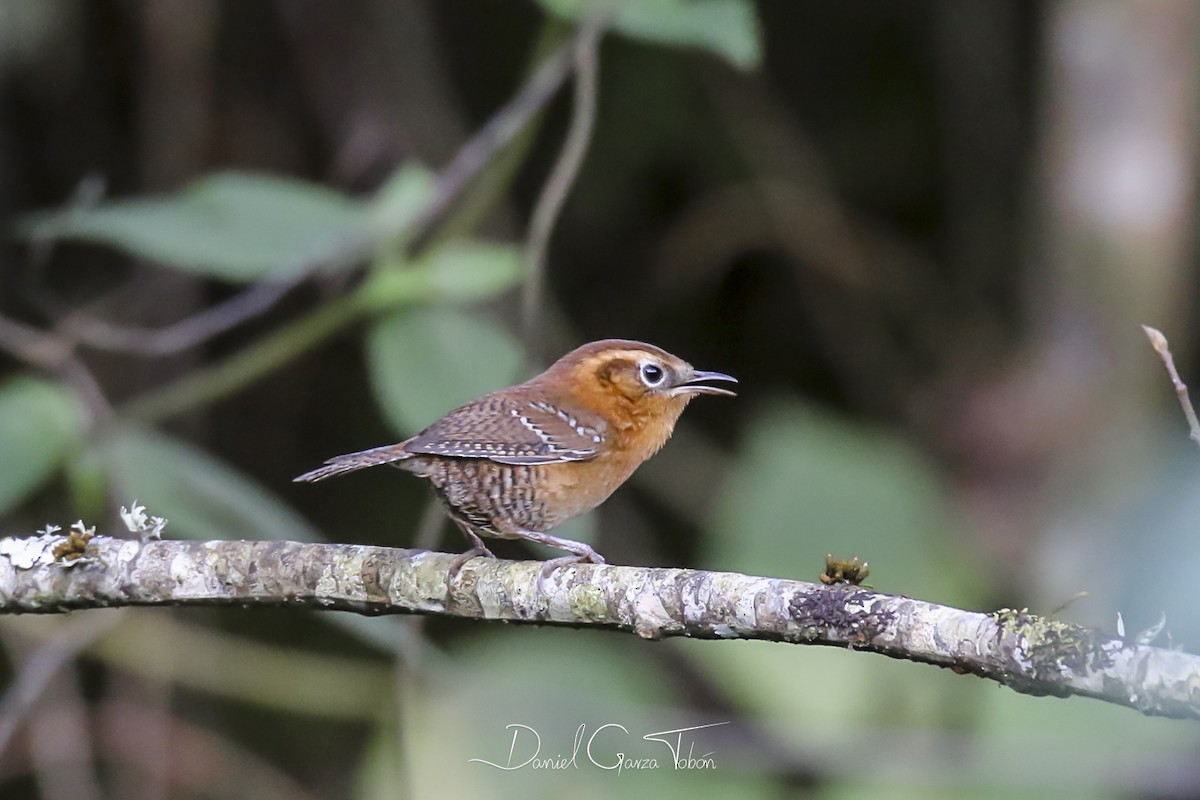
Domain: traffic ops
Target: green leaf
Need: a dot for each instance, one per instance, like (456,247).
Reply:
(810,483)
(426,361)
(201,497)
(233,225)
(87,479)
(728,28)
(401,198)
(460,271)
(40,423)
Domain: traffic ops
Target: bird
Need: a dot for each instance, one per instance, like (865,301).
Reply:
(516,463)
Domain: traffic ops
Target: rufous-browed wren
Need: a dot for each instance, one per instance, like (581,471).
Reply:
(518,462)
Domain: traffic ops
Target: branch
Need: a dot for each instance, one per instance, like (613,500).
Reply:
(244,367)
(47,351)
(1159,343)
(189,332)
(1030,654)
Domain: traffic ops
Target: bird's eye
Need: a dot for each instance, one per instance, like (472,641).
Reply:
(652,374)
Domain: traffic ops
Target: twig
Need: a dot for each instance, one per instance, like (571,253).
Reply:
(554,194)
(1029,654)
(499,131)
(31,345)
(63,724)
(1159,342)
(75,325)
(40,668)
(241,369)
(186,333)
(231,769)
(49,352)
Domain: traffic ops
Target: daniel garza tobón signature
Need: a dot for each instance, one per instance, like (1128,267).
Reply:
(602,748)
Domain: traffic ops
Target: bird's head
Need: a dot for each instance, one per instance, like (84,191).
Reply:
(634,381)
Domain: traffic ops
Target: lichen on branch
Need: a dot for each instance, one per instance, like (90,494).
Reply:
(1030,654)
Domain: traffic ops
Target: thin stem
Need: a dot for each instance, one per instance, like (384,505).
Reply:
(244,368)
(566,169)
(35,674)
(499,131)
(1159,342)
(186,333)
(50,352)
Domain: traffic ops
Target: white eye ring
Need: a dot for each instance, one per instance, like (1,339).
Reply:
(652,374)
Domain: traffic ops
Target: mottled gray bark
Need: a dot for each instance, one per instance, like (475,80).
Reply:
(1031,654)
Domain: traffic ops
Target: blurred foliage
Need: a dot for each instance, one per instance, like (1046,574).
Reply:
(236,226)
(400,199)
(423,359)
(200,494)
(610,681)
(728,28)
(832,202)
(456,271)
(848,489)
(40,423)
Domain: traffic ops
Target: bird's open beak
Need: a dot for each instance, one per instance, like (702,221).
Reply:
(694,384)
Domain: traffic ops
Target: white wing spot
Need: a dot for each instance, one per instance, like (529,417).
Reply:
(533,426)
(585,431)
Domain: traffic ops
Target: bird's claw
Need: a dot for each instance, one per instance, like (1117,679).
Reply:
(461,560)
(548,566)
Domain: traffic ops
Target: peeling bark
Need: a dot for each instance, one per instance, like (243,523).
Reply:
(1030,654)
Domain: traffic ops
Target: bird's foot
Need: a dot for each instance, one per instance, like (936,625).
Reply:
(478,549)
(461,560)
(584,555)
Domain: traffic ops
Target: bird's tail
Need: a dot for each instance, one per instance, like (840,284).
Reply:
(356,461)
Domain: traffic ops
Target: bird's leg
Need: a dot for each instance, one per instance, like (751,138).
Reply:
(478,548)
(580,553)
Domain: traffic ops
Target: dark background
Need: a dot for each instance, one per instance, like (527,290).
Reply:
(923,236)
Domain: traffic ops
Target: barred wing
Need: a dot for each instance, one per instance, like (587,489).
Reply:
(512,430)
